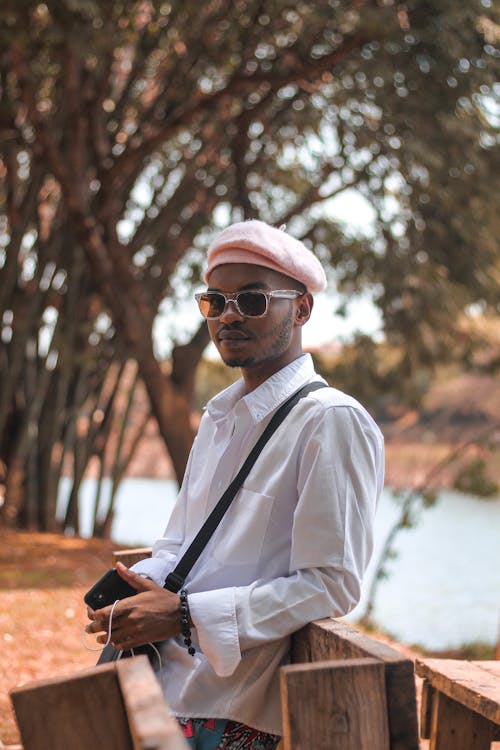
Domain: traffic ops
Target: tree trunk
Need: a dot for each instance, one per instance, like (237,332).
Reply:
(169,404)
(14,492)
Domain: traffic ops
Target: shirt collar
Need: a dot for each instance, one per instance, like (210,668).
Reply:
(267,397)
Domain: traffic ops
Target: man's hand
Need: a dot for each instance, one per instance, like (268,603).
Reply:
(153,614)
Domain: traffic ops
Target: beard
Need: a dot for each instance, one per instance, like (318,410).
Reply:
(270,349)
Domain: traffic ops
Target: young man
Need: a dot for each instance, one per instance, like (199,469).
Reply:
(297,538)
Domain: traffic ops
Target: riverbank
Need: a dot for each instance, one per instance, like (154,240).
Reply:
(452,441)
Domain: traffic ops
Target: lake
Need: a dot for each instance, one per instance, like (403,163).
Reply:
(443,588)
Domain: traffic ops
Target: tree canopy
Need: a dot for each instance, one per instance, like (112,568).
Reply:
(131,131)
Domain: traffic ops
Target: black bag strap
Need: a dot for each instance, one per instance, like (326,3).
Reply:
(175,580)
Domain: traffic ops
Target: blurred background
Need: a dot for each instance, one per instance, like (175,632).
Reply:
(132,132)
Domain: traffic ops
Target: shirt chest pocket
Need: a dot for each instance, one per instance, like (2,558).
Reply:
(241,536)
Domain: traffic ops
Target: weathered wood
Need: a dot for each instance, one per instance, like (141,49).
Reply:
(331,639)
(455,727)
(131,556)
(151,725)
(339,705)
(476,685)
(334,639)
(426,709)
(116,706)
(83,710)
(493,667)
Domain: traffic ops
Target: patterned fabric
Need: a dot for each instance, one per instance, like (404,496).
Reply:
(219,734)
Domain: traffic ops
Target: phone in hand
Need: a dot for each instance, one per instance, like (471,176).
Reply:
(107,590)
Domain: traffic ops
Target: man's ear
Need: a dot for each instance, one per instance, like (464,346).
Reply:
(303,308)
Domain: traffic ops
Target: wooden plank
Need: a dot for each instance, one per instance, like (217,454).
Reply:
(80,711)
(333,639)
(455,727)
(151,725)
(474,686)
(131,556)
(428,693)
(339,705)
(492,667)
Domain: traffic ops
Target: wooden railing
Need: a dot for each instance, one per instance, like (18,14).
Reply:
(342,686)
(460,703)
(343,691)
(116,706)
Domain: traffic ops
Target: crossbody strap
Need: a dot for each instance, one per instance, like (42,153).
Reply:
(175,579)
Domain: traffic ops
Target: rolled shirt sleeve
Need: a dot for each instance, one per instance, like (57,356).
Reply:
(214,616)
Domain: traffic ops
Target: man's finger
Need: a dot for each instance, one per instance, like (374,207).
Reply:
(136,581)
(94,627)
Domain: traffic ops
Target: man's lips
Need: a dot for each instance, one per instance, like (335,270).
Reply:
(232,334)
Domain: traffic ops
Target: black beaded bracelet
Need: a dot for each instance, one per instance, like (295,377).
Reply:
(186,632)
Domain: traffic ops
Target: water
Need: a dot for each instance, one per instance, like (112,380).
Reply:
(142,508)
(443,588)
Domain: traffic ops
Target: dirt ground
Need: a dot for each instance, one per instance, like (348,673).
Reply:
(43,578)
(42,581)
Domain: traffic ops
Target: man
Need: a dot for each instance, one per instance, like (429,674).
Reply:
(297,538)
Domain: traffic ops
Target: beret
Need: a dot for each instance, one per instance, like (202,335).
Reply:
(260,244)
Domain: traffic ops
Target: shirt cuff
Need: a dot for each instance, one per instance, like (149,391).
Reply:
(155,568)
(214,616)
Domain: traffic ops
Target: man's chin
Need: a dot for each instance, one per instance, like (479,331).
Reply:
(244,363)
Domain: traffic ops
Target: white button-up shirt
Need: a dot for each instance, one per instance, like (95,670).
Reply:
(292,547)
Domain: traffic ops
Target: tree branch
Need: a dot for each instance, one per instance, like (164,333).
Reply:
(128,162)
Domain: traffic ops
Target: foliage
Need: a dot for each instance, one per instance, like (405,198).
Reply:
(370,371)
(473,651)
(212,377)
(473,479)
(130,131)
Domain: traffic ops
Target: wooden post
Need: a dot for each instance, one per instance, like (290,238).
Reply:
(334,639)
(151,725)
(334,705)
(428,693)
(116,706)
(455,727)
(77,711)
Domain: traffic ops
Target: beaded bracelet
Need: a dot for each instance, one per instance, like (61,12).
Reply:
(186,632)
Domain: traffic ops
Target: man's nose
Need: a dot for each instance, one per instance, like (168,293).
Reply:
(230,314)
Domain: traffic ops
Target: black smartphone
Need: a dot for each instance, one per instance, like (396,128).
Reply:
(107,590)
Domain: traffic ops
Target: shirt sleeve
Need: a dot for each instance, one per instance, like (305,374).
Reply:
(232,620)
(339,482)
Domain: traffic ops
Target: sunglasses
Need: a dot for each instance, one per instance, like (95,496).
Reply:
(252,304)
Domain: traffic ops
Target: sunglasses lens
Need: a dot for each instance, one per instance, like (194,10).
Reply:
(211,305)
(252,304)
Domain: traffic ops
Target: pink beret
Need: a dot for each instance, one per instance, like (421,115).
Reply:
(258,243)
